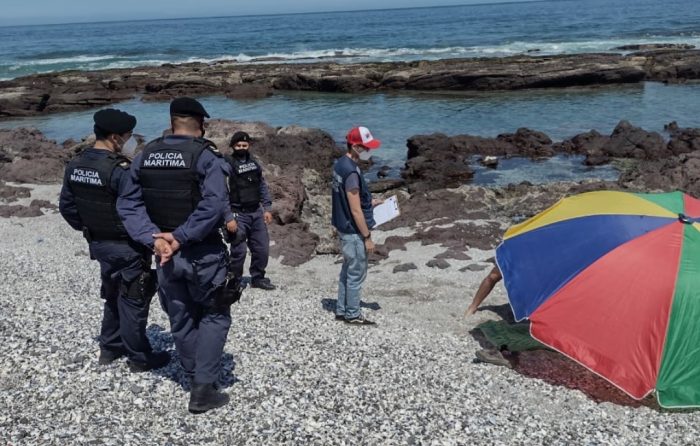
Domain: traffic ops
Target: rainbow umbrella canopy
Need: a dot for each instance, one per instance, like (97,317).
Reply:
(612,280)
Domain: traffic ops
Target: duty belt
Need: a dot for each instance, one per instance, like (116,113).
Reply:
(245,209)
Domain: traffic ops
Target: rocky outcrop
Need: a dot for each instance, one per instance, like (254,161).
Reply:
(26,156)
(655,46)
(437,207)
(683,140)
(297,162)
(439,161)
(681,172)
(74,90)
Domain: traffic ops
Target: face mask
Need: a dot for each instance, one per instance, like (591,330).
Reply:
(365,155)
(129,147)
(240,153)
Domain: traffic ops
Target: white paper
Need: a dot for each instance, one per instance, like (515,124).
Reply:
(386,211)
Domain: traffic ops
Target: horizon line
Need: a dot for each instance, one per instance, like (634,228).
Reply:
(87,22)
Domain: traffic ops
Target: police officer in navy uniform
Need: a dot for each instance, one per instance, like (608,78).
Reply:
(91,185)
(180,182)
(250,205)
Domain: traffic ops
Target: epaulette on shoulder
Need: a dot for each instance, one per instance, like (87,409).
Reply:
(209,144)
(120,160)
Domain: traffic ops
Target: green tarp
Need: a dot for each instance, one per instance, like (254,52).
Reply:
(513,337)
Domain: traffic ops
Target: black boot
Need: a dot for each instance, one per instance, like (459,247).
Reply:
(109,356)
(204,397)
(263,283)
(155,360)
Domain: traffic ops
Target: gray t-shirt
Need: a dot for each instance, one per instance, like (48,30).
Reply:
(352,182)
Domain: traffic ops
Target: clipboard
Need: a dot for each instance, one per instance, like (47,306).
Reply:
(386,211)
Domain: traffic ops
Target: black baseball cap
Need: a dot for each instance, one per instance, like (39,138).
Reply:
(114,121)
(187,107)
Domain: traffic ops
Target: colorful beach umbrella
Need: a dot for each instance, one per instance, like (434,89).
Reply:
(612,280)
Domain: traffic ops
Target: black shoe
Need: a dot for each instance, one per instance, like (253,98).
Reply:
(204,397)
(340,317)
(492,357)
(263,284)
(109,356)
(360,320)
(153,361)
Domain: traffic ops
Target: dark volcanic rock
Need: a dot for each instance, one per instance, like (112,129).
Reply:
(293,242)
(438,263)
(404,267)
(286,154)
(13,193)
(683,140)
(386,185)
(628,141)
(438,161)
(473,267)
(74,90)
(527,143)
(681,172)
(26,156)
(453,254)
(655,46)
(15,210)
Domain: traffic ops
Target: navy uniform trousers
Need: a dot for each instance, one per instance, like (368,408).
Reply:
(124,319)
(252,231)
(188,286)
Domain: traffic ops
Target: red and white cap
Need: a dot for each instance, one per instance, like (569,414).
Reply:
(363,137)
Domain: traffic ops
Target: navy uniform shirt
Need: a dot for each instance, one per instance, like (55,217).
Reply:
(66,204)
(207,217)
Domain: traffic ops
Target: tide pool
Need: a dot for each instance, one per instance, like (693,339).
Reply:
(395,117)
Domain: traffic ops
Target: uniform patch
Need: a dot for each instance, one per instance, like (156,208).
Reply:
(164,159)
(247,167)
(86,176)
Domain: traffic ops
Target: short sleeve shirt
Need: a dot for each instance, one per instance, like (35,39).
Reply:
(352,182)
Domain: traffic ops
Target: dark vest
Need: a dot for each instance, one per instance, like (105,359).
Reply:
(90,182)
(244,182)
(169,180)
(341,215)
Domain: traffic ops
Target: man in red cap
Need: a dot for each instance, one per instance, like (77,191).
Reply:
(353,218)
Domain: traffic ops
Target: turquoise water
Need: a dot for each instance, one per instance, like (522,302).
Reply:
(395,117)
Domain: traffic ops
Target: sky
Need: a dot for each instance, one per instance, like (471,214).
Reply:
(34,12)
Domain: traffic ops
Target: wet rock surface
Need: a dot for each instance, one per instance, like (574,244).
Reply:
(75,90)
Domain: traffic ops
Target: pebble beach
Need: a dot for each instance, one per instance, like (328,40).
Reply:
(294,374)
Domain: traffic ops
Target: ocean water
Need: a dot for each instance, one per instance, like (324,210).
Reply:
(430,33)
(394,118)
(561,26)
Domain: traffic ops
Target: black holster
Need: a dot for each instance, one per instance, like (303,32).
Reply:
(227,294)
(143,287)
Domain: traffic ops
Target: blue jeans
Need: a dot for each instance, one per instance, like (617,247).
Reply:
(352,275)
